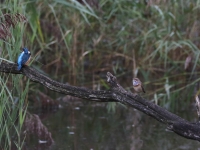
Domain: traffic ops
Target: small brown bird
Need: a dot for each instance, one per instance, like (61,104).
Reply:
(137,85)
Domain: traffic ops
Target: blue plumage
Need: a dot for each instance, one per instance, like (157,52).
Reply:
(23,58)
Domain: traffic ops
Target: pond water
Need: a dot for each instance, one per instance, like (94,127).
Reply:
(89,126)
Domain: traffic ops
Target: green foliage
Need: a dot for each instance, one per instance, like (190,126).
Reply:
(14,88)
(75,41)
(79,42)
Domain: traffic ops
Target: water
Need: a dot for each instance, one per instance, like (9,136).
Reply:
(90,126)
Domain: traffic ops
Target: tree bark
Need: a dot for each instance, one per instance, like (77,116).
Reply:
(116,94)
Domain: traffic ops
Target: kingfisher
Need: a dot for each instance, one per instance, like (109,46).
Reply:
(137,85)
(24,58)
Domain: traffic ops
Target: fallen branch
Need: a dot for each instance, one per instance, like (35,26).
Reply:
(116,94)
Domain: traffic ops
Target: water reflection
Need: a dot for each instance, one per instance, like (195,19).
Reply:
(89,126)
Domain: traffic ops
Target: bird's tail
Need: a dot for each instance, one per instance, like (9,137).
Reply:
(143,89)
(19,67)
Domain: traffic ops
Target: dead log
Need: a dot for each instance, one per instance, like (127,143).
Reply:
(116,94)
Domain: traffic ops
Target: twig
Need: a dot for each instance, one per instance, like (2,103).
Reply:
(197,106)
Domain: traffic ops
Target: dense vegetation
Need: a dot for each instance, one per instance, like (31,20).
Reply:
(78,42)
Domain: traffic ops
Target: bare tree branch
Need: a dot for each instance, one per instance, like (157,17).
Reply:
(116,94)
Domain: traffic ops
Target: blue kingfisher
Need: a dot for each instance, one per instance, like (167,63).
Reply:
(24,58)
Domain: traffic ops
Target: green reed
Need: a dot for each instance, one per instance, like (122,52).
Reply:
(79,43)
(14,88)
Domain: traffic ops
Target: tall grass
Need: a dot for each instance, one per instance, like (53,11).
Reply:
(78,42)
(14,88)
